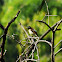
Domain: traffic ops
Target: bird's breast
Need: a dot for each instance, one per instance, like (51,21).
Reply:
(30,32)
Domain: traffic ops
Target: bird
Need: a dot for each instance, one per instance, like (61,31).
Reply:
(32,31)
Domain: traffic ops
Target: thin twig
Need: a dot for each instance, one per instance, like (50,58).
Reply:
(41,37)
(19,43)
(13,20)
(18,59)
(38,54)
(57,43)
(47,11)
(5,52)
(1,36)
(58,29)
(34,37)
(44,17)
(41,5)
(32,54)
(58,51)
(44,41)
(58,23)
(24,29)
(29,60)
(4,36)
(44,23)
(51,15)
(27,50)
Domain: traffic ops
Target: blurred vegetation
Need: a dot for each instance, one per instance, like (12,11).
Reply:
(28,16)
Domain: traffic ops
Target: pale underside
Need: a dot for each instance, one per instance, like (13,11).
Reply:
(30,32)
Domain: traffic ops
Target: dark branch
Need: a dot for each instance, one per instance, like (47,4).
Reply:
(58,23)
(41,5)
(41,37)
(2,26)
(13,19)
(45,24)
(4,36)
(58,29)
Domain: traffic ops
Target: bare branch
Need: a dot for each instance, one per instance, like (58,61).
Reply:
(41,6)
(58,51)
(44,17)
(57,43)
(38,54)
(58,29)
(51,15)
(34,37)
(12,20)
(4,35)
(20,58)
(19,43)
(47,11)
(44,41)
(52,47)
(32,54)
(29,59)
(2,26)
(1,36)
(45,24)
(27,50)
(5,52)
(24,29)
(41,37)
(58,23)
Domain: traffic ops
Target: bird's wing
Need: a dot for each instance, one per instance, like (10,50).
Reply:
(34,31)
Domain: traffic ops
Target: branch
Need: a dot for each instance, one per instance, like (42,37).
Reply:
(12,20)
(52,47)
(38,54)
(29,60)
(58,51)
(43,17)
(33,37)
(1,36)
(19,43)
(41,37)
(44,41)
(57,43)
(47,11)
(58,23)
(58,29)
(45,24)
(4,35)
(2,26)
(51,15)
(41,5)
(5,52)
(24,29)
(27,50)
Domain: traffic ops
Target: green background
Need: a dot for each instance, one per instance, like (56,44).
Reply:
(29,14)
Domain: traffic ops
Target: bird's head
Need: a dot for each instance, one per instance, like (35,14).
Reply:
(29,27)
